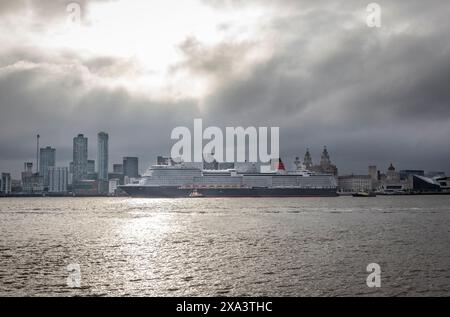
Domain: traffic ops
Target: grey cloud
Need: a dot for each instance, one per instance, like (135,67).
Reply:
(373,96)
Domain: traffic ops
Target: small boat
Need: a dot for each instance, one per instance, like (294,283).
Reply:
(195,194)
(364,194)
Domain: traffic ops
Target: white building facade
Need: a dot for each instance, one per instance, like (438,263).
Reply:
(355,183)
(58,179)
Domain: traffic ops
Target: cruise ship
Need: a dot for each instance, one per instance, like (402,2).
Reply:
(181,181)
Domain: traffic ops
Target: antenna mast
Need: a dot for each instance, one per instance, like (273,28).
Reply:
(37,153)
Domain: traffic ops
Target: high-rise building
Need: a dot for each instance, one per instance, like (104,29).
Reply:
(5,184)
(131,167)
(47,160)
(80,158)
(118,168)
(102,161)
(91,167)
(102,156)
(58,177)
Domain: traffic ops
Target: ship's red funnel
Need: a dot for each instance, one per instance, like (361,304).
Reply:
(281,166)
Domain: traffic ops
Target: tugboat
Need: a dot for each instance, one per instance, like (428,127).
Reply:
(364,194)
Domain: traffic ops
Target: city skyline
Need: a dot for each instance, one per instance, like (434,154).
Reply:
(311,161)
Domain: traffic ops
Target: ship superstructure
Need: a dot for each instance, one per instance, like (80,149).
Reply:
(182,181)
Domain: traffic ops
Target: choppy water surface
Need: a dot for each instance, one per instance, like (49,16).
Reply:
(225,247)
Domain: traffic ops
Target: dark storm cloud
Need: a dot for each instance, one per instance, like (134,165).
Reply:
(61,107)
(374,96)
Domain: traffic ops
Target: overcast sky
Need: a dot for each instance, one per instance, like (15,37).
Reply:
(137,69)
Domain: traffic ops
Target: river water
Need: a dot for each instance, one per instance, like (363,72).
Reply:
(224,247)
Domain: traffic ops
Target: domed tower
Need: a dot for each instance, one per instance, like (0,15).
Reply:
(297,163)
(392,175)
(308,160)
(325,160)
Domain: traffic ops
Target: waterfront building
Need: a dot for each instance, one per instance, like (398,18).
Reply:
(118,168)
(80,158)
(113,186)
(374,176)
(325,166)
(373,173)
(16,186)
(392,183)
(118,176)
(424,184)
(392,175)
(47,159)
(407,174)
(58,179)
(131,167)
(298,165)
(91,167)
(103,161)
(31,182)
(85,188)
(5,184)
(355,183)
(307,161)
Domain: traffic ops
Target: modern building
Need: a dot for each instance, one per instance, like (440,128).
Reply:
(118,168)
(103,162)
(355,183)
(85,188)
(91,175)
(113,186)
(407,174)
(59,179)
(80,158)
(5,184)
(16,186)
(31,182)
(47,159)
(424,184)
(131,167)
(91,166)
(118,176)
